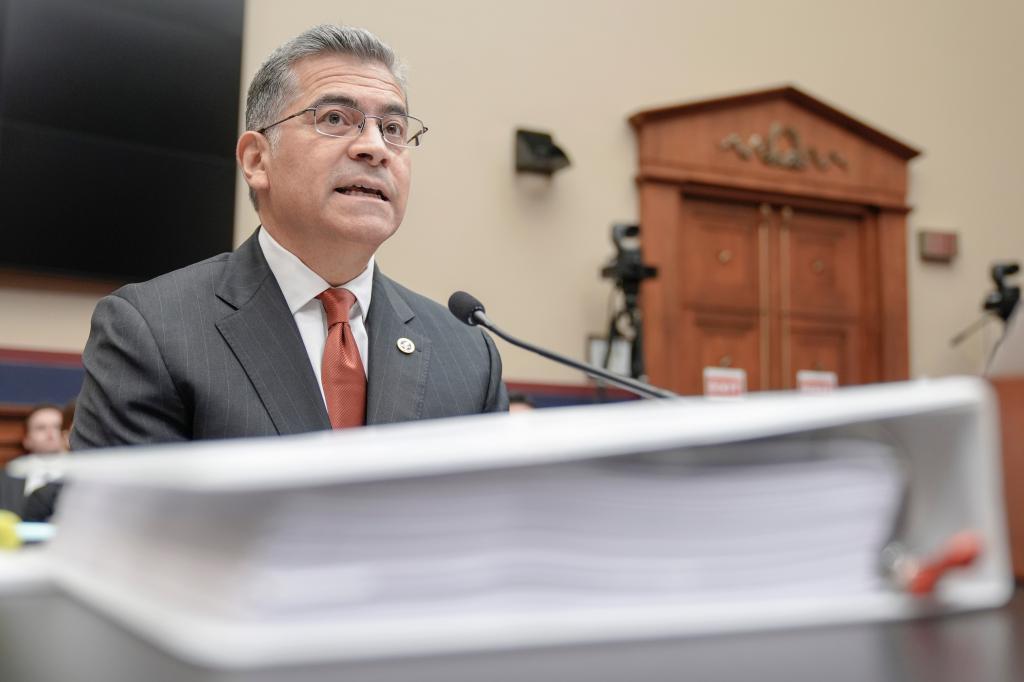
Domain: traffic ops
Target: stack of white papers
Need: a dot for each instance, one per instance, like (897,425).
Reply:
(752,522)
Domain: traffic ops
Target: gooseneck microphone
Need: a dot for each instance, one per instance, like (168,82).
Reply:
(471,311)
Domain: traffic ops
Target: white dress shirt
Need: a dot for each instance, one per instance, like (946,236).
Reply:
(38,470)
(301,286)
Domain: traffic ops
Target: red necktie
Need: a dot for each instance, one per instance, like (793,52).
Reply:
(342,371)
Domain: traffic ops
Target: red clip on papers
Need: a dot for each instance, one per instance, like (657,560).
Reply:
(920,576)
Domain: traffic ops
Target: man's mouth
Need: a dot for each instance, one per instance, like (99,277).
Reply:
(357,190)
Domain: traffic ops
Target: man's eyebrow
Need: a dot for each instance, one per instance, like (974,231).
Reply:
(345,100)
(395,109)
(334,99)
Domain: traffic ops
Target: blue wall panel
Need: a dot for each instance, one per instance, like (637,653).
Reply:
(25,383)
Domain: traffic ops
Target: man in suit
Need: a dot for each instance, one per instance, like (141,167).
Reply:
(44,435)
(298,329)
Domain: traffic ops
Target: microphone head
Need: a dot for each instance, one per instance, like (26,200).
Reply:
(463,306)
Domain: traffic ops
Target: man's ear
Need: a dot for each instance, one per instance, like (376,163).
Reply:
(253,152)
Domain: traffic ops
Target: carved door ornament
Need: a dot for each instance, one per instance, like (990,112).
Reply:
(782,148)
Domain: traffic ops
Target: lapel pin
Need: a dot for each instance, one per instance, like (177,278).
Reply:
(405,345)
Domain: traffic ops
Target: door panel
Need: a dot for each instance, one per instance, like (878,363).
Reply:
(821,264)
(822,347)
(724,340)
(721,249)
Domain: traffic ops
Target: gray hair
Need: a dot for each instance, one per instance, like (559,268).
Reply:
(274,84)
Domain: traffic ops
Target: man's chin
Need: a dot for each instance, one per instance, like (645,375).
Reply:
(369,233)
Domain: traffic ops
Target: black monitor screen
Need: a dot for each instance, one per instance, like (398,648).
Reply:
(118,121)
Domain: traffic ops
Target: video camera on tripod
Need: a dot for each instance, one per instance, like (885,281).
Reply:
(1000,302)
(628,271)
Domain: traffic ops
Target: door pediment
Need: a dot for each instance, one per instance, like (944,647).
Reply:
(780,140)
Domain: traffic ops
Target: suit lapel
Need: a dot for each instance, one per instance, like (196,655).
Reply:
(261,332)
(397,380)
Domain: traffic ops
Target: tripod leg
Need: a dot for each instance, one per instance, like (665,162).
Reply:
(613,334)
(637,346)
(967,331)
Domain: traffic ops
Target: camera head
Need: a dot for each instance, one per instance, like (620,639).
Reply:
(1004,299)
(627,267)
(1001,270)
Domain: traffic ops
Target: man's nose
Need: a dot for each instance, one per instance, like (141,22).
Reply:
(369,144)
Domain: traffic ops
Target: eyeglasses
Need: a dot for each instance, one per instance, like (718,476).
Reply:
(338,120)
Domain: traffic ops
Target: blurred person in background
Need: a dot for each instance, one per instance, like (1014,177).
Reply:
(42,502)
(45,434)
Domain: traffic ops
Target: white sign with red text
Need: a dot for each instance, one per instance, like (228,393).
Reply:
(724,382)
(808,381)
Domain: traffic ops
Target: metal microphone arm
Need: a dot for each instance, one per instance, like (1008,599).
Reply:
(631,385)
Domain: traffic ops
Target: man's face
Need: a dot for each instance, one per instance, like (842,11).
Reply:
(306,172)
(43,432)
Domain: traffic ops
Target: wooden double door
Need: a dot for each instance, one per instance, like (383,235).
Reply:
(778,225)
(773,287)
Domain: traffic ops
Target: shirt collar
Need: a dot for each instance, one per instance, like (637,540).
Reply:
(300,285)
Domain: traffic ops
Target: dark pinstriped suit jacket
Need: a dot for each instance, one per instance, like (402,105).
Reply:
(212,351)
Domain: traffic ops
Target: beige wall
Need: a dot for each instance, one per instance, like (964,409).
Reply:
(942,76)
